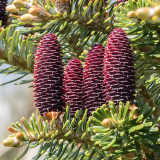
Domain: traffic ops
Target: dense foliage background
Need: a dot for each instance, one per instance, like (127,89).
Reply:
(121,131)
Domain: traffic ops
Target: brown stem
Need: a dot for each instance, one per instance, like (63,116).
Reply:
(75,137)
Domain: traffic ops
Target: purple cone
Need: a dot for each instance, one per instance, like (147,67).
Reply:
(119,75)
(73,83)
(48,76)
(93,78)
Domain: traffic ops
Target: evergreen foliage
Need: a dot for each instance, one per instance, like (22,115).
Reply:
(111,131)
(124,134)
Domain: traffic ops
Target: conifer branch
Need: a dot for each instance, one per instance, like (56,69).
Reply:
(94,26)
(147,99)
(125,127)
(15,61)
(115,132)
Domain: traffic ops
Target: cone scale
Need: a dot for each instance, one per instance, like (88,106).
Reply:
(48,76)
(73,83)
(119,75)
(93,78)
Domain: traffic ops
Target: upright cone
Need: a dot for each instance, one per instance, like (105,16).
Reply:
(119,75)
(48,76)
(73,83)
(93,78)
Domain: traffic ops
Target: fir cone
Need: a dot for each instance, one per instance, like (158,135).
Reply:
(73,83)
(48,76)
(3,16)
(119,75)
(93,78)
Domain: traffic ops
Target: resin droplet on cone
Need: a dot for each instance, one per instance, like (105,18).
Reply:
(73,83)
(119,75)
(93,78)
(48,76)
